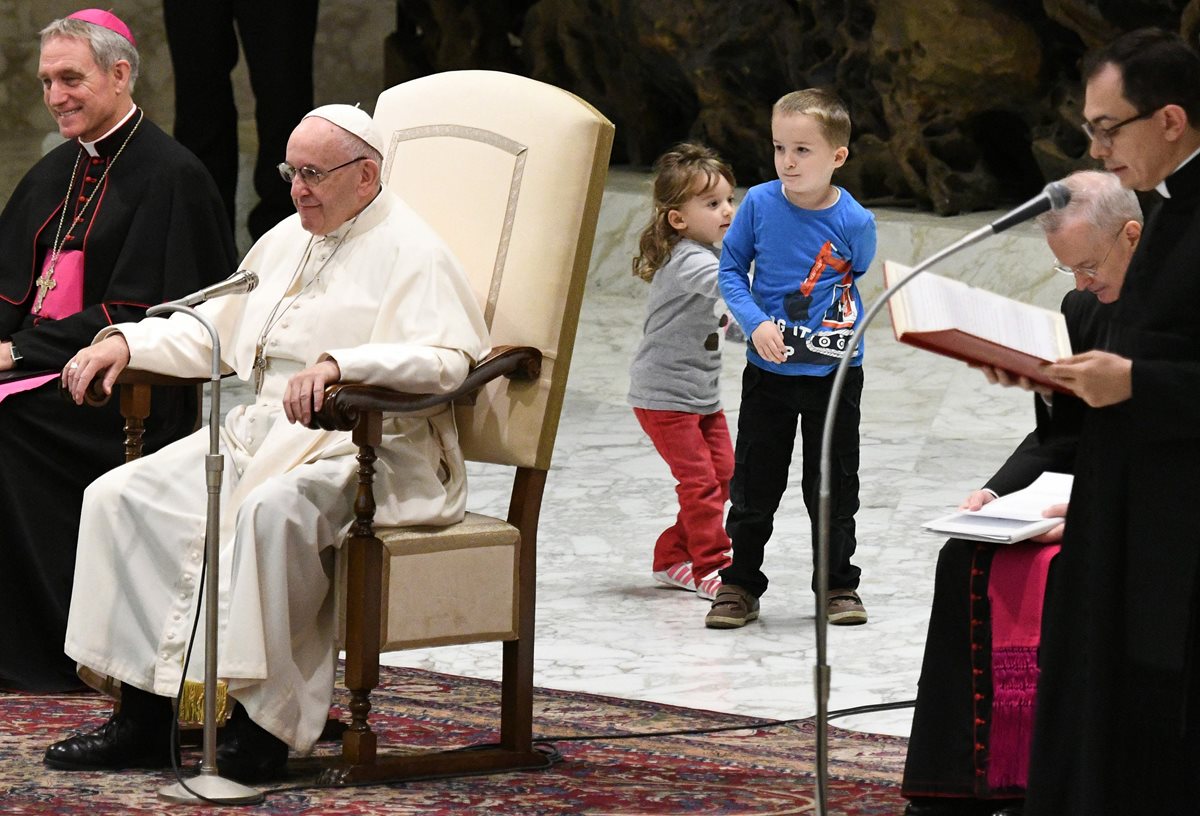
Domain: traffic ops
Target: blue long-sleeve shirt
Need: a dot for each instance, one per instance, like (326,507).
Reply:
(805,266)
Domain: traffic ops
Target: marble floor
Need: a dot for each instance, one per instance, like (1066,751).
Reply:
(932,430)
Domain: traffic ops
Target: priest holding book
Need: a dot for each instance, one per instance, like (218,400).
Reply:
(1118,715)
(968,754)
(115,220)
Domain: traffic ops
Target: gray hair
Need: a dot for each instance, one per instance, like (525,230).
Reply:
(1097,198)
(108,47)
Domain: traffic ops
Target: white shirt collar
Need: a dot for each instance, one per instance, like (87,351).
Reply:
(90,147)
(1162,185)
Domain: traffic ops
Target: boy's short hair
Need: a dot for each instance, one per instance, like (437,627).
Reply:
(824,106)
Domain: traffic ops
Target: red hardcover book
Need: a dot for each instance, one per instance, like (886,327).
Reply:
(957,320)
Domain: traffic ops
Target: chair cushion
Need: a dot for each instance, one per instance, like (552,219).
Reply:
(444,585)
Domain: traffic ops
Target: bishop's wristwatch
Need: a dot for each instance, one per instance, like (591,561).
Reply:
(16,355)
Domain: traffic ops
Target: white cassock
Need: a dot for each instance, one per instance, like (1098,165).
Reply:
(385,298)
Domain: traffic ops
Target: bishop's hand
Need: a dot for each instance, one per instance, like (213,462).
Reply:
(106,359)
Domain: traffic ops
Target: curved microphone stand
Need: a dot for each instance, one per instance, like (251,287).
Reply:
(209,786)
(1055,196)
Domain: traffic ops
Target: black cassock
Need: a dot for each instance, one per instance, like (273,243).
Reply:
(1117,718)
(154,230)
(948,749)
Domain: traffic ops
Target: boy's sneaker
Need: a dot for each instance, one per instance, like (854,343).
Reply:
(733,608)
(708,588)
(678,576)
(845,608)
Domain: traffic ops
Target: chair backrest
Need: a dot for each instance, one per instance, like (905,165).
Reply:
(510,172)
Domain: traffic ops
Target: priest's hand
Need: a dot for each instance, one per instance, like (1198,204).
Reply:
(305,392)
(998,376)
(106,359)
(1055,534)
(1099,378)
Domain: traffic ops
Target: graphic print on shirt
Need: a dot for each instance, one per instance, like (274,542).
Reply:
(809,344)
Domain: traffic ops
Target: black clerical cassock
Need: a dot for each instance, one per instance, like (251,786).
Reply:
(150,227)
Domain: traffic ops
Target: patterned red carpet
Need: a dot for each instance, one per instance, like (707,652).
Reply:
(764,771)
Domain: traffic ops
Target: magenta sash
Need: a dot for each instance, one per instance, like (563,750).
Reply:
(66,298)
(28,384)
(1016,590)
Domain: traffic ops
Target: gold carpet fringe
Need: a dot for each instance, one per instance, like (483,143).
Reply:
(191,706)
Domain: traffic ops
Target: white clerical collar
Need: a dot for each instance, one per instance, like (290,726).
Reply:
(90,147)
(1162,185)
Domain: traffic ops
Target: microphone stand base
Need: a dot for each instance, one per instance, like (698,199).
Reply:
(211,787)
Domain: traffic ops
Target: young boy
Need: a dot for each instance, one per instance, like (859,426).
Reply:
(808,240)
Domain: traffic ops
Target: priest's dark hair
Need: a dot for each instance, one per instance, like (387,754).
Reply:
(108,47)
(1158,67)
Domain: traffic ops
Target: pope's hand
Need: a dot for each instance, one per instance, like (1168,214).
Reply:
(305,392)
(106,359)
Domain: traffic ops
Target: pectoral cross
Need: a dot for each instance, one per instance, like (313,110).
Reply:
(260,367)
(44,284)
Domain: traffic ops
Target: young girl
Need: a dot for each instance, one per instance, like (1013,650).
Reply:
(673,379)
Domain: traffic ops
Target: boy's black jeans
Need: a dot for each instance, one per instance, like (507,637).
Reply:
(771,405)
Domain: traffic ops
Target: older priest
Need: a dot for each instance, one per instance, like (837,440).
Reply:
(117,219)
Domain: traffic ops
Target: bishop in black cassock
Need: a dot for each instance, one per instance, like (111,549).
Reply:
(149,226)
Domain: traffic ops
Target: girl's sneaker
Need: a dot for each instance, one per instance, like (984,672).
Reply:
(678,576)
(708,588)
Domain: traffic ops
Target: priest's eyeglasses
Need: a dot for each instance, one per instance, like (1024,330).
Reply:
(311,176)
(1088,271)
(1103,136)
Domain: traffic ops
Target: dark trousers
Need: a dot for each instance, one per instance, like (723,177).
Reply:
(771,405)
(278,37)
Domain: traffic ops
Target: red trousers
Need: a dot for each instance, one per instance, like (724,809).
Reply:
(698,450)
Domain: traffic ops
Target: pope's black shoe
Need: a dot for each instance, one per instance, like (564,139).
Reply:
(248,752)
(122,742)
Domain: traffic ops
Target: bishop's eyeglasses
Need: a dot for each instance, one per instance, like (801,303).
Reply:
(311,176)
(1088,271)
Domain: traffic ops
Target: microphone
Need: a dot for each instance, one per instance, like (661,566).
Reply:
(236,284)
(1055,196)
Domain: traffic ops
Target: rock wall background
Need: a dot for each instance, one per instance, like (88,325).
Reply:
(348,55)
(958,105)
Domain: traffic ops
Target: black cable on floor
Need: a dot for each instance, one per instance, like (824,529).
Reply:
(554,756)
(761,725)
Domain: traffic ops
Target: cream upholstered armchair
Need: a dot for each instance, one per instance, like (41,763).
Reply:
(510,172)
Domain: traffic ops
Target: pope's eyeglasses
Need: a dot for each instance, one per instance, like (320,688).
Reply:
(311,176)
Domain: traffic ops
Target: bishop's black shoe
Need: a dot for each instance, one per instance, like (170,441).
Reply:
(125,741)
(249,753)
(955,806)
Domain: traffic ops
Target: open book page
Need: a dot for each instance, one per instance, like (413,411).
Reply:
(932,303)
(1047,490)
(1010,518)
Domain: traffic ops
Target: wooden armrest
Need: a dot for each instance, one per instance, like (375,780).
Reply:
(133,376)
(345,401)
